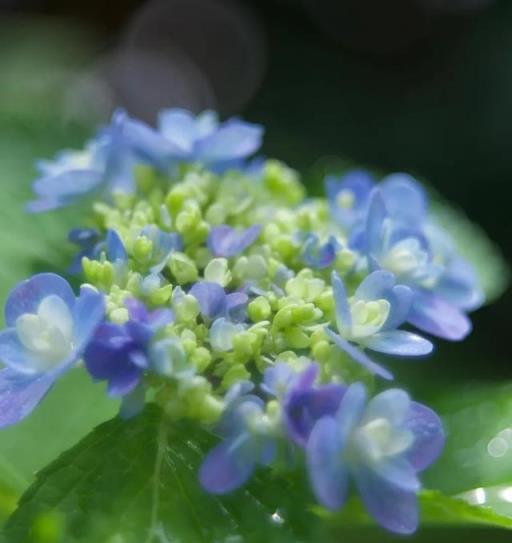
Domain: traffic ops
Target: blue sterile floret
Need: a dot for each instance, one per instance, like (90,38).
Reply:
(213,288)
(48,328)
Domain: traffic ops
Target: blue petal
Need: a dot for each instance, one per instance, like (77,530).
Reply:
(27,295)
(236,306)
(404,198)
(398,472)
(375,285)
(400,299)
(226,241)
(88,313)
(435,316)
(399,343)
(234,139)
(225,469)
(211,298)
(20,394)
(343,315)
(359,356)
(428,433)
(351,409)
(374,223)
(393,404)
(68,184)
(393,508)
(115,247)
(277,379)
(133,403)
(327,472)
(459,286)
(179,127)
(16,356)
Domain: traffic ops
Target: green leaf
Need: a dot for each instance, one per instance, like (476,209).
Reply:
(136,481)
(436,509)
(478,451)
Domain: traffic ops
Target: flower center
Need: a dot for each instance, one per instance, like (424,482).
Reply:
(345,199)
(48,334)
(368,317)
(405,257)
(379,439)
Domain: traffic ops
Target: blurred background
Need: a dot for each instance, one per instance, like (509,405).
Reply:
(423,86)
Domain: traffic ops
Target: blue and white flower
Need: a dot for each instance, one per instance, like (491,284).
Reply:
(371,317)
(48,329)
(183,137)
(380,446)
(104,164)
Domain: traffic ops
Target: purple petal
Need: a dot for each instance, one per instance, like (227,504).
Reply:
(343,315)
(460,286)
(399,343)
(226,241)
(400,299)
(277,379)
(211,298)
(398,472)
(20,394)
(319,256)
(27,295)
(429,436)
(359,356)
(435,316)
(233,140)
(223,470)
(327,472)
(393,508)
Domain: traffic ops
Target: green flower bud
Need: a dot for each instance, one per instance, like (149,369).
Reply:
(119,315)
(160,296)
(234,375)
(259,309)
(142,249)
(283,182)
(296,337)
(183,268)
(217,271)
(201,358)
(186,308)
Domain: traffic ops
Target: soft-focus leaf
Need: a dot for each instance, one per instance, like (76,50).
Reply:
(478,452)
(137,481)
(436,509)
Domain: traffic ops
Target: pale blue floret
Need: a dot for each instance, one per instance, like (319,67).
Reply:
(104,164)
(183,137)
(319,255)
(48,328)
(380,446)
(422,257)
(370,319)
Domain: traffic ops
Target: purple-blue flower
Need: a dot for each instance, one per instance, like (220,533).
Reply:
(48,328)
(120,353)
(248,440)
(214,303)
(370,319)
(225,241)
(164,243)
(106,162)
(348,197)
(444,285)
(183,137)
(380,445)
(319,255)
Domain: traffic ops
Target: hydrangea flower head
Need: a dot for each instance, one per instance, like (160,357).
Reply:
(218,291)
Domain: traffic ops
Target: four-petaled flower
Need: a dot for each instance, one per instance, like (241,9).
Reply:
(48,328)
(370,319)
(183,137)
(380,445)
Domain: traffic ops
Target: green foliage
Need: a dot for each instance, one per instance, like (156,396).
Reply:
(136,481)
